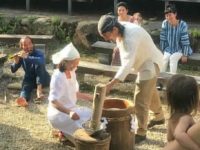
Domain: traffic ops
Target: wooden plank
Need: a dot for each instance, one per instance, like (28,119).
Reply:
(103,45)
(191,1)
(110,71)
(164,76)
(193,60)
(10,36)
(195,56)
(104,50)
(101,69)
(107,48)
(14,38)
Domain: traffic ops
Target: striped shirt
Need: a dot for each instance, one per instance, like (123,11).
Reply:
(175,38)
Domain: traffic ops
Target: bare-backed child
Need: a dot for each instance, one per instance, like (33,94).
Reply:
(183,102)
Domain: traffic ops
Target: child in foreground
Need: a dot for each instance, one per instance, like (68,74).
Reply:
(183,100)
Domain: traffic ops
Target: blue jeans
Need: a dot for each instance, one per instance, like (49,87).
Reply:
(29,84)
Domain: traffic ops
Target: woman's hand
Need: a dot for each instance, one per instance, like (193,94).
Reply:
(74,115)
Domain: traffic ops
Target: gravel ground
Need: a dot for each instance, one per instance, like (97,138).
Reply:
(28,128)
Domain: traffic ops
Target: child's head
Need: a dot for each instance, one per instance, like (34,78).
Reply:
(137,18)
(182,94)
(67,59)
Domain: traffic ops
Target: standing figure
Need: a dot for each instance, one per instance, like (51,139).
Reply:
(122,16)
(33,63)
(183,100)
(138,54)
(137,18)
(122,12)
(174,40)
(63,113)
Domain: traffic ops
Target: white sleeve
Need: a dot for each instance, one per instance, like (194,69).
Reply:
(128,53)
(55,86)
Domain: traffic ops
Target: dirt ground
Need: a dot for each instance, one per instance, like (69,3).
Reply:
(28,128)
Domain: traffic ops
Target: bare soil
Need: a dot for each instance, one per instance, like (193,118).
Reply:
(28,128)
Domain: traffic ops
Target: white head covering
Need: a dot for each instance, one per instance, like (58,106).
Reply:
(69,52)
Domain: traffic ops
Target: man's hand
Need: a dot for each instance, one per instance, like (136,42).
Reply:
(17,56)
(16,59)
(108,87)
(184,59)
(110,84)
(74,115)
(23,54)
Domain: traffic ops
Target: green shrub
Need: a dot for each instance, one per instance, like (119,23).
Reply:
(195,33)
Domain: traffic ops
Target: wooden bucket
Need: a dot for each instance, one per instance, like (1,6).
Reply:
(118,114)
(84,141)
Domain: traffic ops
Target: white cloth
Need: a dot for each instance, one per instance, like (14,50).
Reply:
(172,60)
(138,52)
(69,52)
(64,90)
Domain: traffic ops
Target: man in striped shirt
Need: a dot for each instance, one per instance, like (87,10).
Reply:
(174,40)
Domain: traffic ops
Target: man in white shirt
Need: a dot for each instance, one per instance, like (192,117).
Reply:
(139,53)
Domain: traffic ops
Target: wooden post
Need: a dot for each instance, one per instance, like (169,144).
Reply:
(115,6)
(99,97)
(27,5)
(69,7)
(166,3)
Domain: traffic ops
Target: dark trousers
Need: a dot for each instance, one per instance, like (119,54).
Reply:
(29,84)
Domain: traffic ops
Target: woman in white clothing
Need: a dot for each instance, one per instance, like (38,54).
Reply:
(63,113)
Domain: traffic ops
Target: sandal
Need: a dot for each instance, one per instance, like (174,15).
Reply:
(21,101)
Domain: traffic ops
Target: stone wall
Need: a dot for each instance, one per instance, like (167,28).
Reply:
(3,58)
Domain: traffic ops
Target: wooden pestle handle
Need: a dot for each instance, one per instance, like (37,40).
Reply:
(99,97)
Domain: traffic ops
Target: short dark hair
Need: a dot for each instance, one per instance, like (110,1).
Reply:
(124,4)
(182,94)
(170,8)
